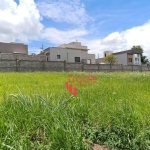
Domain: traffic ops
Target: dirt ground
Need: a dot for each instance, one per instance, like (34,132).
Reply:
(99,147)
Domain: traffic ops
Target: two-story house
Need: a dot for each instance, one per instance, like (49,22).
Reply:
(128,57)
(71,52)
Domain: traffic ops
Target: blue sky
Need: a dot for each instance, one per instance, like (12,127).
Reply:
(99,24)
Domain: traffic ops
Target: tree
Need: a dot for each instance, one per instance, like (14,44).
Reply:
(138,47)
(144,59)
(111,59)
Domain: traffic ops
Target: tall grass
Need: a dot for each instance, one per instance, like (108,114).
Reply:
(37,112)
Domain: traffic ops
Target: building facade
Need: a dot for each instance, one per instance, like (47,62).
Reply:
(128,57)
(72,52)
(13,48)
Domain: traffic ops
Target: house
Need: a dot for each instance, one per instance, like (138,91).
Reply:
(13,48)
(71,52)
(128,57)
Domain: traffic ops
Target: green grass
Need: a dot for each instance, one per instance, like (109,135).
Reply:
(38,113)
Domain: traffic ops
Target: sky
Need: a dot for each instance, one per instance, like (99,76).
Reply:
(102,25)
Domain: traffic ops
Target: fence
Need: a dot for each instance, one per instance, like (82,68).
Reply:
(35,65)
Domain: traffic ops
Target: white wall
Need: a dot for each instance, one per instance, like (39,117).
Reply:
(107,53)
(70,54)
(122,58)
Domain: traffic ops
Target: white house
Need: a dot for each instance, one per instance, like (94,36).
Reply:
(71,52)
(128,57)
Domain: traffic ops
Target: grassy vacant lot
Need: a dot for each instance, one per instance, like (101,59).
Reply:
(38,113)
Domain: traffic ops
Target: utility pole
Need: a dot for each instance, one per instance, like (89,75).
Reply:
(42,48)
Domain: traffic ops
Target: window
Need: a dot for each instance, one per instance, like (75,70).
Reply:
(129,59)
(136,60)
(58,56)
(77,59)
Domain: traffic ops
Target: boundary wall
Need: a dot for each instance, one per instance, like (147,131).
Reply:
(42,65)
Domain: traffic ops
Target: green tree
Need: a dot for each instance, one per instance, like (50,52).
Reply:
(144,59)
(138,47)
(111,59)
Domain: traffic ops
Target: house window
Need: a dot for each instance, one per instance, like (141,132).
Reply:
(129,59)
(77,59)
(136,60)
(58,56)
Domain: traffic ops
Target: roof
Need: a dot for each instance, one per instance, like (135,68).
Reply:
(47,49)
(129,52)
(12,43)
(74,45)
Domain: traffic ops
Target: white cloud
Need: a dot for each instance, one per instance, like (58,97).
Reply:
(116,41)
(22,22)
(69,11)
(119,41)
(58,37)
(19,22)
(34,50)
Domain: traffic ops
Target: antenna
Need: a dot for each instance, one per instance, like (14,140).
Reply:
(42,48)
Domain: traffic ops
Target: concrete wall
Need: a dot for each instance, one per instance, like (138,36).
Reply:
(99,60)
(89,56)
(13,48)
(22,57)
(122,58)
(34,65)
(106,53)
(69,55)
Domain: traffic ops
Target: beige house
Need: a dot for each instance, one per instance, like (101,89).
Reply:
(13,48)
(128,57)
(71,52)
